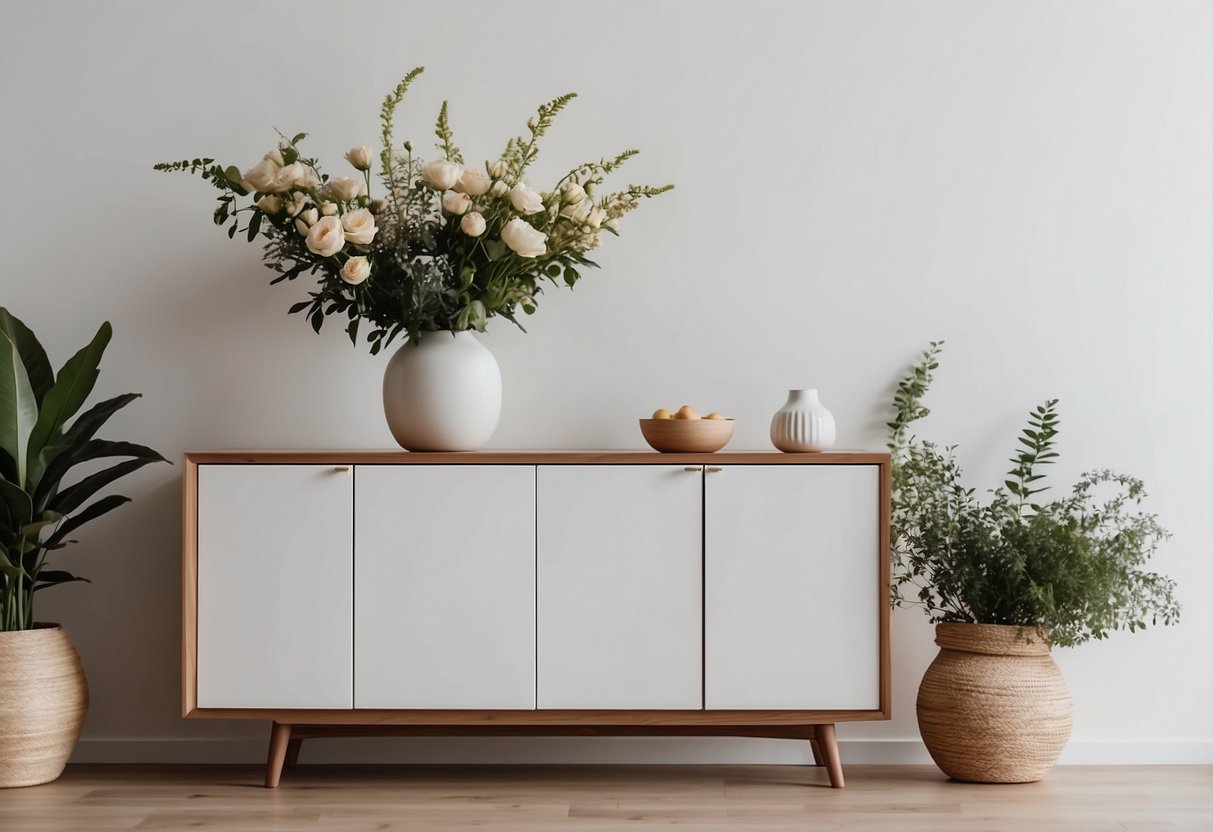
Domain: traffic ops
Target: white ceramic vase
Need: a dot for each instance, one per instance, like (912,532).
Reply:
(803,425)
(442,393)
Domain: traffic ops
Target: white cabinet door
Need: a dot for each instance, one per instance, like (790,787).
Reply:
(445,586)
(275,586)
(792,617)
(620,591)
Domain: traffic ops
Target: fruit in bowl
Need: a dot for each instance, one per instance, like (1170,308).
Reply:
(686,432)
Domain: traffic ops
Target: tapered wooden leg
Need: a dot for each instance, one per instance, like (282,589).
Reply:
(818,760)
(280,738)
(827,742)
(292,751)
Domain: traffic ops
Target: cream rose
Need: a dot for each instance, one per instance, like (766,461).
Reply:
(270,204)
(296,202)
(345,188)
(572,193)
(328,208)
(595,217)
(359,226)
(499,188)
(440,174)
(473,182)
(525,200)
(496,169)
(326,237)
(522,239)
(456,203)
(275,156)
(262,175)
(577,212)
(302,227)
(288,178)
(356,270)
(472,224)
(310,216)
(360,157)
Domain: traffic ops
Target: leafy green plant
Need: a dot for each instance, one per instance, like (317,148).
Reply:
(37,452)
(1072,567)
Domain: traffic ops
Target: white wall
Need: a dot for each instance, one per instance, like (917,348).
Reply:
(1031,181)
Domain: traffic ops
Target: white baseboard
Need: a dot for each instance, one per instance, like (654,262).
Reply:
(601,750)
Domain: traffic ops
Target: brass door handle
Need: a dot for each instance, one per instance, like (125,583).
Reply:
(714,470)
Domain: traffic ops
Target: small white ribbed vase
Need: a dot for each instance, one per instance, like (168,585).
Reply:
(803,425)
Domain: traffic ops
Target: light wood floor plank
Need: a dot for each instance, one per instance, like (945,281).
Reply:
(607,798)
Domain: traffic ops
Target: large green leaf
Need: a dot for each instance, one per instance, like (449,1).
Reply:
(72,386)
(86,425)
(92,512)
(91,420)
(70,499)
(69,457)
(37,366)
(18,407)
(17,510)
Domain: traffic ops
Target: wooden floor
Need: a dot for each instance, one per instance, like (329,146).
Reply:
(600,798)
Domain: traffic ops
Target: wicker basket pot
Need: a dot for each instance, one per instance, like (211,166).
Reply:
(43,697)
(993,707)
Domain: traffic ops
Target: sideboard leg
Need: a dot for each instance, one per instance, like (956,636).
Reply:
(280,738)
(292,752)
(827,740)
(818,760)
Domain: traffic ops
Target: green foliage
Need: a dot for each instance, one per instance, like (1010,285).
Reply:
(1073,566)
(446,140)
(37,451)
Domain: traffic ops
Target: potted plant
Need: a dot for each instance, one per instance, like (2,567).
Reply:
(443,247)
(43,693)
(1005,579)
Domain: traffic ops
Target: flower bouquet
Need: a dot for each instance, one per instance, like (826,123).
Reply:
(443,246)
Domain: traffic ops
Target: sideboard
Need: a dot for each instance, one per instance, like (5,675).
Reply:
(355,593)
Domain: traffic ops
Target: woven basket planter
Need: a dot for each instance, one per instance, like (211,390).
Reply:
(43,697)
(993,706)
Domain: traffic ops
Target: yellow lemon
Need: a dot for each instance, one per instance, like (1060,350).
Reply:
(714,415)
(661,413)
(686,412)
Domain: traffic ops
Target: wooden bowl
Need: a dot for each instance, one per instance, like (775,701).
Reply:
(687,436)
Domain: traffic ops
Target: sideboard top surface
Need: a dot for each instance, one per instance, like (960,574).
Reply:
(537,457)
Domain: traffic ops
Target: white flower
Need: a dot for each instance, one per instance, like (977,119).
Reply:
(310,216)
(612,224)
(572,193)
(525,200)
(590,188)
(577,212)
(275,156)
(262,175)
(473,182)
(440,174)
(496,169)
(296,202)
(328,208)
(287,178)
(522,239)
(356,270)
(307,179)
(270,204)
(456,203)
(345,188)
(472,224)
(360,156)
(499,188)
(302,227)
(326,237)
(359,226)
(594,218)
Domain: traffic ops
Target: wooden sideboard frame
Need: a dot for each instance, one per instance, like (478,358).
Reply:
(292,725)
